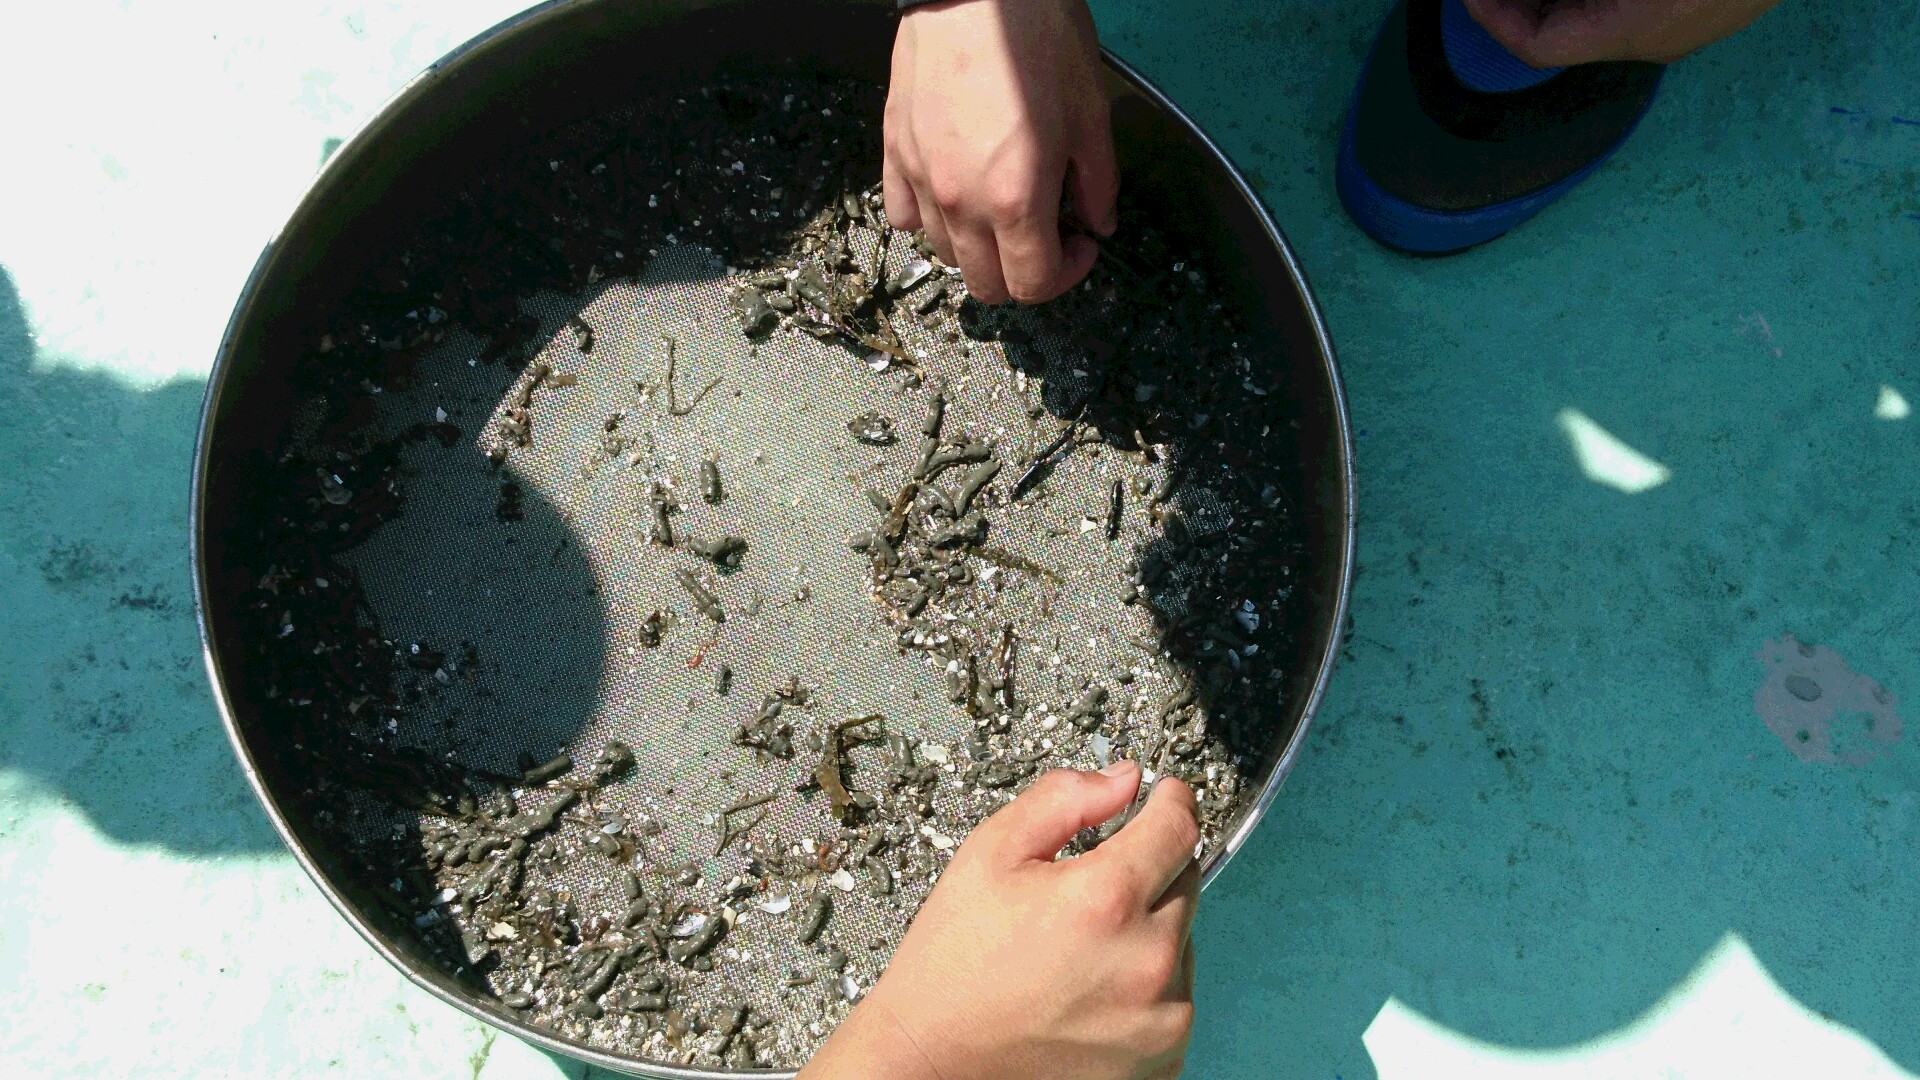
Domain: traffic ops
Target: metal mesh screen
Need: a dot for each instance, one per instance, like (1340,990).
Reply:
(555,622)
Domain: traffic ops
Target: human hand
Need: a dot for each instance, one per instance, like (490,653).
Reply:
(1022,966)
(996,106)
(1546,33)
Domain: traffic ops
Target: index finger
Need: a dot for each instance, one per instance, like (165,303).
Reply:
(1152,850)
(1093,182)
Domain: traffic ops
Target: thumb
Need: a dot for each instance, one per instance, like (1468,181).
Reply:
(1035,826)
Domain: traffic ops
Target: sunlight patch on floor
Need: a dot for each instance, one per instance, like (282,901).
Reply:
(254,944)
(139,194)
(1606,460)
(1727,1019)
(1891,406)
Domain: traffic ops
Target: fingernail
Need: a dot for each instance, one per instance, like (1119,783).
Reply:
(1117,768)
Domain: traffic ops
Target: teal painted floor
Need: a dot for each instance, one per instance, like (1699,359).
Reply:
(1558,818)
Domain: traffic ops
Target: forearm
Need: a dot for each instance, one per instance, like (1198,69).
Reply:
(871,1044)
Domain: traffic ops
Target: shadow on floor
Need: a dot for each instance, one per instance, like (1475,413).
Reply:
(103,698)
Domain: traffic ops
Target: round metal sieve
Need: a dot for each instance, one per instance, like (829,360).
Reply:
(553,610)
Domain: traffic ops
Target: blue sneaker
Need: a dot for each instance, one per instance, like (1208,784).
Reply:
(1450,140)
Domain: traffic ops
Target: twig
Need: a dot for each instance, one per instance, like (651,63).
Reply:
(750,802)
(1045,458)
(674,408)
(728,834)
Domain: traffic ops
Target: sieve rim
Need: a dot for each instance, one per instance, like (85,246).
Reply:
(393,112)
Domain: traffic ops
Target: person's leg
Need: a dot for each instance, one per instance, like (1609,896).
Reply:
(1560,32)
(1471,116)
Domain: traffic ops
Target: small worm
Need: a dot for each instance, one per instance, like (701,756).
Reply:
(702,599)
(978,477)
